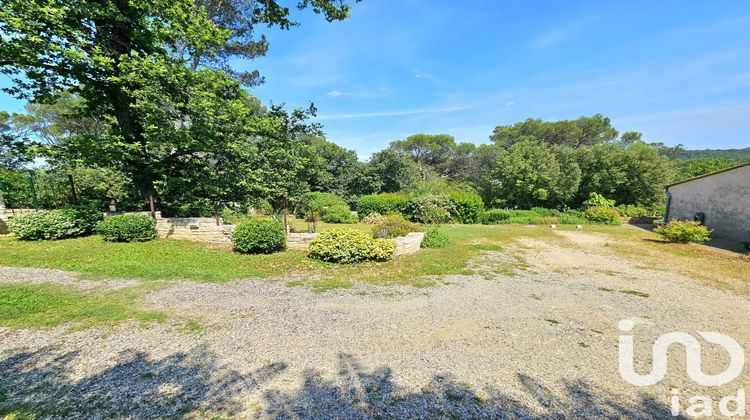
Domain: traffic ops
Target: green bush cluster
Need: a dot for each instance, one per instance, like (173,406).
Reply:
(684,232)
(429,209)
(598,200)
(466,207)
(327,207)
(346,246)
(495,217)
(435,237)
(55,224)
(127,228)
(603,215)
(382,203)
(393,225)
(259,236)
(339,214)
(631,210)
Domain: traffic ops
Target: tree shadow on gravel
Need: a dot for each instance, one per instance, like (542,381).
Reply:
(36,383)
(359,394)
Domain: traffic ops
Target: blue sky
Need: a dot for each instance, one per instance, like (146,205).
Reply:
(678,71)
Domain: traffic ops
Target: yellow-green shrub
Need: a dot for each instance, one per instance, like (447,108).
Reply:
(684,232)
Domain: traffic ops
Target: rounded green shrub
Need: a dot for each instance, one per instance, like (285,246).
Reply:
(41,225)
(684,232)
(429,209)
(603,215)
(382,203)
(382,249)
(259,236)
(342,245)
(127,228)
(495,217)
(466,207)
(393,225)
(339,214)
(435,238)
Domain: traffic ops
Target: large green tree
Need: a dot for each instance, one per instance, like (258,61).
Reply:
(132,62)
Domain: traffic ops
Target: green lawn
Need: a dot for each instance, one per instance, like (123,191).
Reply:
(23,306)
(159,262)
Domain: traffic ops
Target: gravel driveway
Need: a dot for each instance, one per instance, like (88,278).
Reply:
(541,343)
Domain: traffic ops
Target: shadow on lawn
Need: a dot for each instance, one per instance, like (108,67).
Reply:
(140,388)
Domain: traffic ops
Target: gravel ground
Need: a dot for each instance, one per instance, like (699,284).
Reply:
(542,343)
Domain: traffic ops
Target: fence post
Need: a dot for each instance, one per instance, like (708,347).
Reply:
(33,191)
(73,189)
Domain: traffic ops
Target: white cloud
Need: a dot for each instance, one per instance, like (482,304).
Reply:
(510,103)
(334,93)
(419,74)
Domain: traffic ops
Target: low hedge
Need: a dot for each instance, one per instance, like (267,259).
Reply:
(603,215)
(339,214)
(346,246)
(259,236)
(495,217)
(382,203)
(127,228)
(55,224)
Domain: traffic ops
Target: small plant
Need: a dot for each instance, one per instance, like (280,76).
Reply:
(127,228)
(382,203)
(430,209)
(342,245)
(259,236)
(466,207)
(382,249)
(393,225)
(339,214)
(495,217)
(598,200)
(53,224)
(373,219)
(435,238)
(603,215)
(684,232)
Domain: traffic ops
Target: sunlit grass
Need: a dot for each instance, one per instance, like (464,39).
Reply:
(23,306)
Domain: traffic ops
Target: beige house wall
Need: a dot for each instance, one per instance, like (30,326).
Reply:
(724,198)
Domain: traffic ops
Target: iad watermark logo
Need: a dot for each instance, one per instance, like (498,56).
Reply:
(729,406)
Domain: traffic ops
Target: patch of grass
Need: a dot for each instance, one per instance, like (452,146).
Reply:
(552,321)
(583,345)
(605,289)
(295,283)
(192,327)
(24,306)
(323,285)
(635,293)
